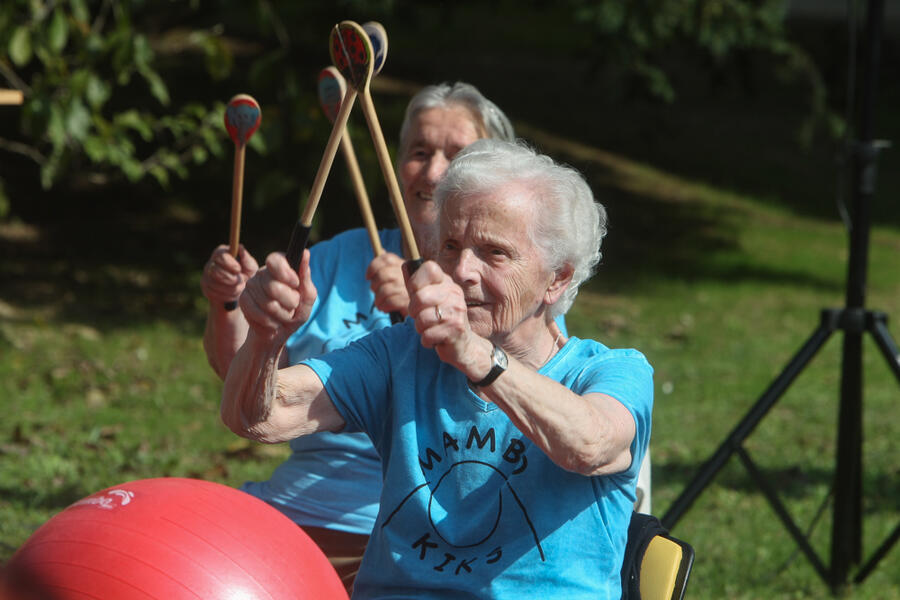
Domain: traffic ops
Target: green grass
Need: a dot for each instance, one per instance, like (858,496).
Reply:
(717,289)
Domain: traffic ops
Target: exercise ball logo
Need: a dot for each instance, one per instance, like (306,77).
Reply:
(108,500)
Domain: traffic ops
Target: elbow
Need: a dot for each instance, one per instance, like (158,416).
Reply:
(248,428)
(592,461)
(235,418)
(232,419)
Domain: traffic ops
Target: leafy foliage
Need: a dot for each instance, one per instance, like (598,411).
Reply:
(80,65)
(636,36)
(127,90)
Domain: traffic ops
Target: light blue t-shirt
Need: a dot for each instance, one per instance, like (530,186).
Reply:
(329,480)
(469,506)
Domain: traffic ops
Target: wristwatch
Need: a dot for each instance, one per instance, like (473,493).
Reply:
(499,362)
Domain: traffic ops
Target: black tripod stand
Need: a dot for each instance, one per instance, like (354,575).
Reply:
(854,320)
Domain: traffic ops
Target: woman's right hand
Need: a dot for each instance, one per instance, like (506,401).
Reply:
(225,276)
(278,300)
(385,275)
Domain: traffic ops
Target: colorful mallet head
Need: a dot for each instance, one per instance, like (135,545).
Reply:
(378,39)
(351,53)
(332,88)
(242,118)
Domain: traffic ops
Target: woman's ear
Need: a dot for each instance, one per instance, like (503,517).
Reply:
(561,280)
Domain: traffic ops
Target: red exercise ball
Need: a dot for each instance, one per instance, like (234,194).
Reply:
(171,539)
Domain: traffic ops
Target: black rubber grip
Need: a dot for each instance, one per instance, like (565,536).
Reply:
(299,238)
(231,305)
(396,317)
(413,265)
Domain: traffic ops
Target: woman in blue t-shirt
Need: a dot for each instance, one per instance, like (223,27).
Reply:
(510,453)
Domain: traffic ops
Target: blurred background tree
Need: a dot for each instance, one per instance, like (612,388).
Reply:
(126,92)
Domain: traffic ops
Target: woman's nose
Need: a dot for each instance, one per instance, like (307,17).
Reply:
(437,166)
(466,269)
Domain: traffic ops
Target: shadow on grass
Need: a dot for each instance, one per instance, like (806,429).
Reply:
(881,487)
(112,265)
(130,254)
(103,262)
(39,499)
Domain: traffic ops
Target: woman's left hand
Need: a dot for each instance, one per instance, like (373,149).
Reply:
(438,306)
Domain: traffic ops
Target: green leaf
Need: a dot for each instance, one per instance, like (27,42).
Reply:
(78,120)
(132,119)
(160,174)
(95,148)
(80,11)
(97,92)
(78,81)
(142,52)
(50,169)
(20,46)
(132,169)
(58,32)
(157,86)
(93,43)
(199,154)
(56,128)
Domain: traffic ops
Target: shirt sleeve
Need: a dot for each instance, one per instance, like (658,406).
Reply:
(357,378)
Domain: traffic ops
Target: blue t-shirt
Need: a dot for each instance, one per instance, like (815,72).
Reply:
(469,505)
(329,480)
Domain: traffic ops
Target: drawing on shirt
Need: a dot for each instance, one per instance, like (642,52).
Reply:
(354,327)
(467,500)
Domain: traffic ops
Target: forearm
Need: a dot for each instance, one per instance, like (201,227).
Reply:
(268,404)
(224,333)
(588,434)
(249,390)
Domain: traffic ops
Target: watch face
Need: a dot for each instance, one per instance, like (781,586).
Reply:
(500,358)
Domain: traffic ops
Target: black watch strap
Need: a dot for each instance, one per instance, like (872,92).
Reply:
(499,362)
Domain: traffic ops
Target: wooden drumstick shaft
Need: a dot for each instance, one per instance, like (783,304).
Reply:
(359,188)
(300,235)
(390,178)
(237,192)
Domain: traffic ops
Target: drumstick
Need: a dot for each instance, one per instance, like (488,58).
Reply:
(11,97)
(242,118)
(331,92)
(300,234)
(378,39)
(332,88)
(351,53)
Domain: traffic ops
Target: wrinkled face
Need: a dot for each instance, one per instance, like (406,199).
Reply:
(486,247)
(435,136)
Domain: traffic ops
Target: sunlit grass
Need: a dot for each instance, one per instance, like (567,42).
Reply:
(718,306)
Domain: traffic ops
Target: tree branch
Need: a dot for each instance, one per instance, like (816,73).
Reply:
(23,149)
(13,79)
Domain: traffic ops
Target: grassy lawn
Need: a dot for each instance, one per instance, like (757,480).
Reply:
(103,378)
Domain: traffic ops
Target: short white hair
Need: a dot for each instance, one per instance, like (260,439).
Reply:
(569,224)
(445,95)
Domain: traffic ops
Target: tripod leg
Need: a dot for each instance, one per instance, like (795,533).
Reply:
(782,512)
(750,420)
(878,555)
(846,531)
(878,328)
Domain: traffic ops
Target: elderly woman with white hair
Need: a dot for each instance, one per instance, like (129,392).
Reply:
(509,452)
